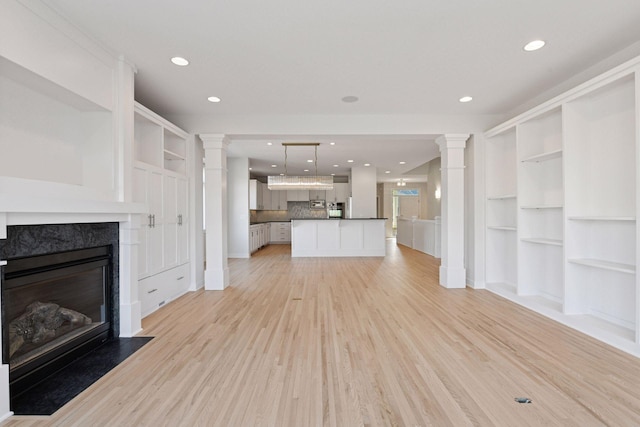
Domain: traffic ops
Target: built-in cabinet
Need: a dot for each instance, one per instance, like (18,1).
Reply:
(561,207)
(261,198)
(297,195)
(259,236)
(339,194)
(161,183)
(280,232)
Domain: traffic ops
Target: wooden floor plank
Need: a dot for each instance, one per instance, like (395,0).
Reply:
(351,342)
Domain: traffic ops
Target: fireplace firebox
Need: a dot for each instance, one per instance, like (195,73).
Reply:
(55,307)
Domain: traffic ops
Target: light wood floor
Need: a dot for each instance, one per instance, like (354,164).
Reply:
(356,341)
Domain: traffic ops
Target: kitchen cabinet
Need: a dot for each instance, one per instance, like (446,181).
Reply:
(338,194)
(266,197)
(280,232)
(279,200)
(255,194)
(298,195)
(317,195)
(259,236)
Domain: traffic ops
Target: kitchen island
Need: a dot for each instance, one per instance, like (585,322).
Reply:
(338,237)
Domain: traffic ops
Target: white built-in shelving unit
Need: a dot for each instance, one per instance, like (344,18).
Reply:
(502,218)
(563,240)
(160,182)
(54,138)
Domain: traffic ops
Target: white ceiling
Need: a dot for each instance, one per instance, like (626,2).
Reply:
(301,58)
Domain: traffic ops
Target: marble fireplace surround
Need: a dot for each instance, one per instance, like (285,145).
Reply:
(27,210)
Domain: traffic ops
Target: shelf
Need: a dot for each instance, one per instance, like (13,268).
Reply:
(542,207)
(503,228)
(602,218)
(502,197)
(606,265)
(170,155)
(542,241)
(544,156)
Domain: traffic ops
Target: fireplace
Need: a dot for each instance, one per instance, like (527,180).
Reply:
(59,296)
(56,306)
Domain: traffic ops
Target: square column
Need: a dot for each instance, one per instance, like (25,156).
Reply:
(452,271)
(216,274)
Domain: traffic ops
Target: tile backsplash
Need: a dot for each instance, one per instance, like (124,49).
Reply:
(301,210)
(294,210)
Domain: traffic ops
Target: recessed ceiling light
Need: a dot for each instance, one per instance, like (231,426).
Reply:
(350,99)
(281,174)
(335,166)
(306,170)
(332,143)
(250,169)
(213,99)
(403,163)
(309,161)
(180,61)
(349,161)
(333,174)
(274,166)
(269,143)
(466,99)
(367,164)
(387,171)
(534,45)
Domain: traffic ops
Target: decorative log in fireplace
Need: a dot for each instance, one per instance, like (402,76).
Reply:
(55,307)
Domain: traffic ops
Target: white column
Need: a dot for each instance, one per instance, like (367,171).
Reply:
(130,306)
(452,271)
(216,275)
(363,192)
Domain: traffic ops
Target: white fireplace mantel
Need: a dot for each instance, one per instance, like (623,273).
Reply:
(31,208)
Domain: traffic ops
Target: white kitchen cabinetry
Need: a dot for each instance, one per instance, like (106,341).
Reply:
(279,200)
(317,195)
(561,209)
(280,232)
(160,182)
(266,197)
(338,194)
(255,195)
(259,236)
(297,195)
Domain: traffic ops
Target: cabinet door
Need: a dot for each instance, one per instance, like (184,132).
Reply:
(266,198)
(330,195)
(253,194)
(155,242)
(283,200)
(259,201)
(342,191)
(140,188)
(317,195)
(170,244)
(183,220)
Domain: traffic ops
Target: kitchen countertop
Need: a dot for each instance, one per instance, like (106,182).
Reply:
(267,222)
(333,219)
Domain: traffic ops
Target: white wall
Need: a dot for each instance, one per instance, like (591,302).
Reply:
(433,183)
(363,192)
(238,207)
